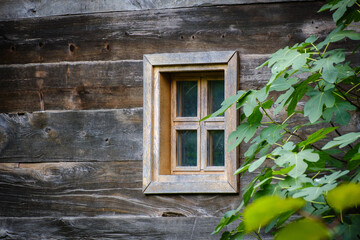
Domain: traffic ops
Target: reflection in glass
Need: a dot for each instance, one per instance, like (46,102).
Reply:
(216,148)
(186,98)
(186,148)
(216,95)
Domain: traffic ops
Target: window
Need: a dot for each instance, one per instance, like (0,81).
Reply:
(196,146)
(181,154)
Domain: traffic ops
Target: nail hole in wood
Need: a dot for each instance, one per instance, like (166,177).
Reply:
(223,36)
(193,37)
(41,44)
(181,37)
(71,47)
(107,47)
(107,140)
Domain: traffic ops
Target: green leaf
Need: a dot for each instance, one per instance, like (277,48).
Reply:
(343,140)
(303,229)
(243,132)
(263,210)
(272,133)
(312,193)
(297,159)
(256,116)
(300,90)
(349,231)
(316,136)
(268,104)
(311,39)
(285,58)
(257,164)
(282,100)
(242,169)
(330,179)
(344,196)
(314,107)
(282,84)
(227,103)
(341,7)
(283,170)
(329,71)
(250,101)
(339,34)
(340,110)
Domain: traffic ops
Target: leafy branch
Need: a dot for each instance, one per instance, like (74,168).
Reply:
(311,181)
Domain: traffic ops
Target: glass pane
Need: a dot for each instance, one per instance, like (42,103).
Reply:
(216,95)
(186,148)
(186,98)
(216,148)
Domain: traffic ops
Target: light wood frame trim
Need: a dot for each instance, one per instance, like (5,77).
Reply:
(154,65)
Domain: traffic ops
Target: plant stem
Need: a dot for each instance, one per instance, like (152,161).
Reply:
(347,99)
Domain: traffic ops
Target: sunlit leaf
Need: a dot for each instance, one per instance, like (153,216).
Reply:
(263,210)
(344,196)
(303,229)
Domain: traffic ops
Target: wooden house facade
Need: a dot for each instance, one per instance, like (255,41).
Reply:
(71,103)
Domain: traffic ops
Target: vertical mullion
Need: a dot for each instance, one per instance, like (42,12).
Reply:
(203,136)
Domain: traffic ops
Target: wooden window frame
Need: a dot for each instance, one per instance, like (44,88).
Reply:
(157,93)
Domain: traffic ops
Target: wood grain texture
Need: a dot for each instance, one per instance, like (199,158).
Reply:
(70,86)
(95,189)
(171,228)
(251,28)
(12,9)
(91,85)
(99,135)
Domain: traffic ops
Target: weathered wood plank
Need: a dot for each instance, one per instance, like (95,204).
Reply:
(11,9)
(96,189)
(92,85)
(102,135)
(171,228)
(70,86)
(251,28)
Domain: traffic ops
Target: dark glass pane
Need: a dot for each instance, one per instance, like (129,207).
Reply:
(216,148)
(186,98)
(216,95)
(186,148)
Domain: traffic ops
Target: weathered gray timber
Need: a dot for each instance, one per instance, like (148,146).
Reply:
(70,86)
(96,189)
(171,228)
(252,29)
(91,84)
(98,135)
(11,9)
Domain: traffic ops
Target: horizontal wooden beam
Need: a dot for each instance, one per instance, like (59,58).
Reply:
(11,9)
(91,85)
(60,136)
(107,227)
(96,189)
(254,28)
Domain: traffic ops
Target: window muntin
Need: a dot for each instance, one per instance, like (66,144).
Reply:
(200,92)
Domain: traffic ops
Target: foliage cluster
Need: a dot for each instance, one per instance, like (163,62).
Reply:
(303,188)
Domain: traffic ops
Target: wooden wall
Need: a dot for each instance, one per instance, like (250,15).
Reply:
(71,110)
